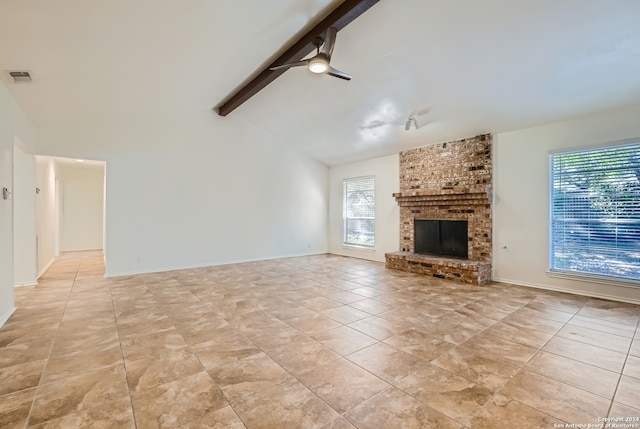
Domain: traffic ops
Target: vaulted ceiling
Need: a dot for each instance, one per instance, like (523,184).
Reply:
(468,66)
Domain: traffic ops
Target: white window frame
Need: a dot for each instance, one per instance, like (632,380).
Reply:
(347,238)
(594,226)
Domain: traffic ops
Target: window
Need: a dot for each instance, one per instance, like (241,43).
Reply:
(359,211)
(595,212)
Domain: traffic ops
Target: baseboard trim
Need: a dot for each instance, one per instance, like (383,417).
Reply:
(24,284)
(570,291)
(4,317)
(109,274)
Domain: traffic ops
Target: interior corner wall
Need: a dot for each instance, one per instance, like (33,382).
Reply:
(46,216)
(386,171)
(24,219)
(196,189)
(13,123)
(521,198)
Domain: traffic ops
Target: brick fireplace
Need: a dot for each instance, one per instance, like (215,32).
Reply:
(447,181)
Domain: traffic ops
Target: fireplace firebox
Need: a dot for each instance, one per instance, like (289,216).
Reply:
(441,237)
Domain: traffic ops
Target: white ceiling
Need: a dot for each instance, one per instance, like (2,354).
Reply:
(476,66)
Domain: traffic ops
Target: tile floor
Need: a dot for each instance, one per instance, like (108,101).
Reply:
(310,342)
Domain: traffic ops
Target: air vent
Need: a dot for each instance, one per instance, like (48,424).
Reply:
(19,76)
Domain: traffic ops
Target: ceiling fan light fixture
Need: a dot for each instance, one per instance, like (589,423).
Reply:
(318,65)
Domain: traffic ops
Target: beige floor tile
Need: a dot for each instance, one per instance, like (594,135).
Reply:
(142,346)
(242,378)
(344,340)
(24,352)
(225,348)
(373,326)
(603,358)
(224,418)
(454,396)
(420,344)
(525,320)
(113,414)
(320,303)
(490,309)
(137,347)
(345,314)
(177,402)
(501,411)
(79,393)
(602,325)
(632,367)
(627,393)
(60,367)
(339,423)
(289,405)
(80,341)
(475,366)
(395,409)
(21,376)
(371,306)
(621,411)
(596,338)
(528,337)
(575,373)
(557,399)
(343,384)
(387,362)
(612,311)
(302,356)
(313,324)
(500,349)
(15,407)
(160,367)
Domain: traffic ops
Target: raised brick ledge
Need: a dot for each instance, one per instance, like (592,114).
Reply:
(420,199)
(460,270)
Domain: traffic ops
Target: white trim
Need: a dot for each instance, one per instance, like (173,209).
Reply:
(605,280)
(567,290)
(602,145)
(4,317)
(34,283)
(368,249)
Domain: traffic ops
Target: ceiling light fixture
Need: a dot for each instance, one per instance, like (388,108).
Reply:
(318,65)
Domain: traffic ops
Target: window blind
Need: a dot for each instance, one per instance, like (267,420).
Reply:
(359,211)
(595,212)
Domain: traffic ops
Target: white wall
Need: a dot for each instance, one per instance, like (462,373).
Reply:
(13,123)
(521,197)
(46,213)
(81,206)
(198,190)
(24,218)
(387,181)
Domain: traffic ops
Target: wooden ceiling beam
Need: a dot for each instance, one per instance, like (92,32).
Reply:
(339,18)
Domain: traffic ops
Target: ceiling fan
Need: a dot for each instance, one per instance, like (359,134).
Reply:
(413,118)
(320,62)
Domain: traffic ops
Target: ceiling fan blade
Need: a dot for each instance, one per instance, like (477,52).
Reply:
(407,126)
(337,73)
(329,42)
(289,65)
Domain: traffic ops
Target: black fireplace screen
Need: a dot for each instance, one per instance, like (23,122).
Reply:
(441,237)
